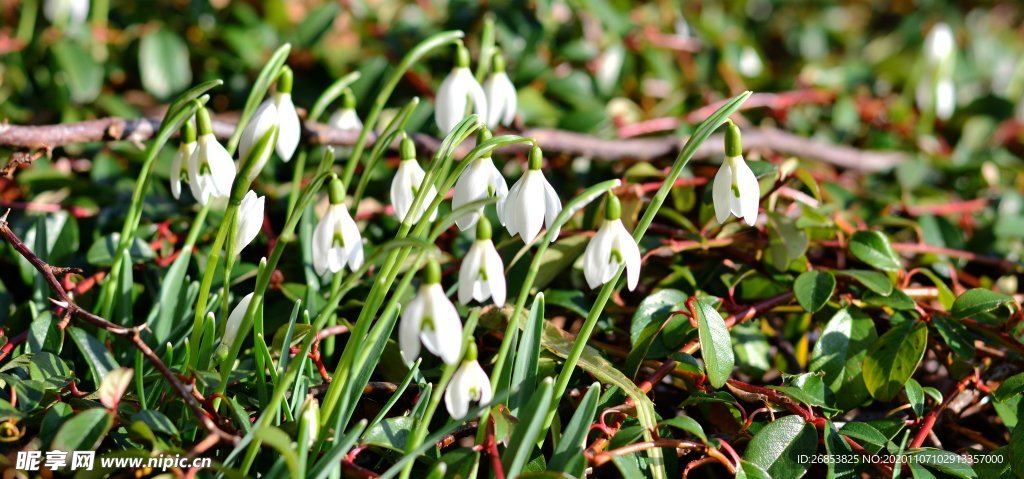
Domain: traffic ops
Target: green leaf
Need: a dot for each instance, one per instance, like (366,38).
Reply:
(101,253)
(524,370)
(85,431)
(956,336)
(915,395)
(156,421)
(391,433)
(893,359)
(527,431)
(813,289)
(1012,386)
(114,385)
(715,344)
(777,447)
(280,441)
(749,470)
(570,446)
(872,280)
(164,63)
(977,301)
(838,448)
(873,248)
(96,355)
(77,69)
(841,348)
(688,424)
(942,461)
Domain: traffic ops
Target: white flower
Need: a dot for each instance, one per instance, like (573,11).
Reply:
(210,168)
(346,118)
(407,182)
(71,12)
(235,322)
(482,273)
(611,248)
(935,89)
(481,179)
(179,165)
(431,318)
(940,43)
(501,96)
(336,240)
(468,385)
(750,63)
(945,99)
(735,189)
(250,220)
(531,203)
(277,110)
(451,100)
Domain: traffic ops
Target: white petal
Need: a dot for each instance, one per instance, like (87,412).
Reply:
(450,103)
(235,320)
(477,378)
(505,210)
(750,192)
(456,397)
(526,213)
(181,158)
(195,183)
(630,252)
(265,117)
(350,234)
(469,273)
(409,330)
(471,186)
(945,99)
(476,92)
(222,167)
(596,256)
(290,132)
(323,236)
(552,206)
(250,219)
(501,100)
(721,191)
(445,339)
(495,273)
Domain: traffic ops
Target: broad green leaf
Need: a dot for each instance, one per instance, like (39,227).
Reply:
(749,470)
(85,431)
(813,289)
(1012,386)
(915,395)
(527,431)
(715,344)
(777,447)
(976,301)
(164,63)
(894,358)
(156,421)
(871,438)
(77,70)
(524,369)
(873,280)
(873,248)
(840,350)
(570,446)
(688,424)
(654,332)
(956,336)
(391,433)
(96,355)
(837,447)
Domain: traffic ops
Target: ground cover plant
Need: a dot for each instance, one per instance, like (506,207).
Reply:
(496,239)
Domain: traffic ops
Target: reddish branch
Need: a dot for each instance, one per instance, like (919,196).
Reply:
(12,343)
(132,334)
(47,137)
(933,415)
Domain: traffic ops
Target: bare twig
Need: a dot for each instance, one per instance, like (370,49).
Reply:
(553,141)
(133,334)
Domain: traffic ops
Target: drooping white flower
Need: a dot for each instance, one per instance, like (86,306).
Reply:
(468,385)
(935,90)
(179,166)
(945,99)
(211,171)
(501,95)
(482,273)
(336,240)
(940,43)
(407,182)
(750,64)
(611,248)
(249,221)
(70,12)
(311,418)
(346,117)
(531,203)
(234,322)
(452,95)
(735,190)
(481,179)
(431,319)
(277,110)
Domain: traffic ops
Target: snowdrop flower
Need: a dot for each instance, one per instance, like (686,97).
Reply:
(735,189)
(481,179)
(407,182)
(750,64)
(249,220)
(501,95)
(211,171)
(70,12)
(431,318)
(336,240)
(482,274)
(346,118)
(468,385)
(531,202)
(179,165)
(611,248)
(940,43)
(936,90)
(234,324)
(277,110)
(311,418)
(451,95)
